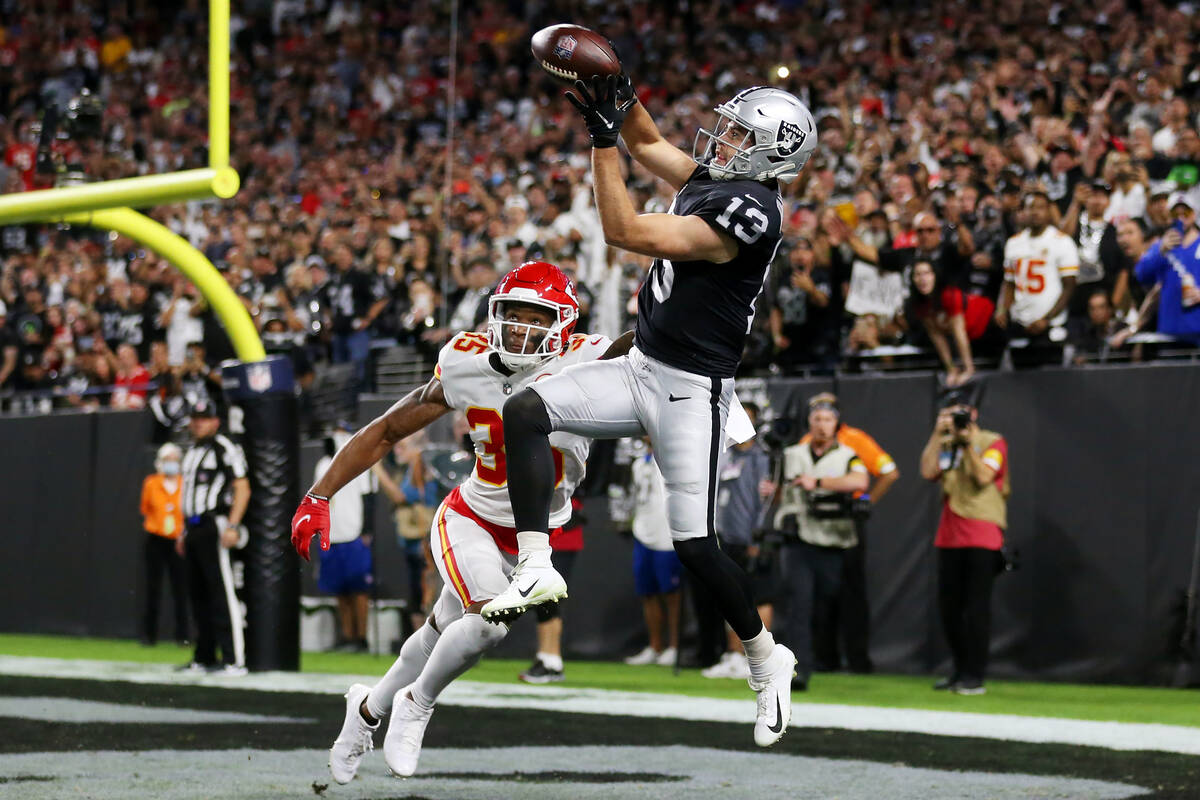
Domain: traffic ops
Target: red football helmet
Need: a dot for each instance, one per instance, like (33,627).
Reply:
(534,283)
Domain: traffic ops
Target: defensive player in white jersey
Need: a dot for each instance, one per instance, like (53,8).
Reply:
(1041,264)
(712,252)
(531,317)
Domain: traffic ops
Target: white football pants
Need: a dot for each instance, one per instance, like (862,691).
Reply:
(683,413)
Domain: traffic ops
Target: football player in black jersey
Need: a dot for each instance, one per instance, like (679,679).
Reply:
(711,251)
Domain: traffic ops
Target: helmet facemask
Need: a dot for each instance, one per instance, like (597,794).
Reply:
(781,137)
(538,343)
(704,148)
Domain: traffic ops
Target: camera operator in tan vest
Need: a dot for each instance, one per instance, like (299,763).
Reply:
(971,464)
(815,517)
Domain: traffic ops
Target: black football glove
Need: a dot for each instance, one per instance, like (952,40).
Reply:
(605,107)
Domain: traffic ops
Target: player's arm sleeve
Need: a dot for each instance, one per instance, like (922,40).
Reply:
(1068,258)
(447,366)
(747,216)
(857,465)
(598,346)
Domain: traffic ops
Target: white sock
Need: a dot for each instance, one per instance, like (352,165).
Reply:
(551,661)
(458,649)
(532,541)
(759,648)
(404,671)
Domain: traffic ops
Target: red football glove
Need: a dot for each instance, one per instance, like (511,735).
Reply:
(311,519)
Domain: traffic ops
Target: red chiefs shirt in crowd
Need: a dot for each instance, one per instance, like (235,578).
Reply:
(22,156)
(131,388)
(976,309)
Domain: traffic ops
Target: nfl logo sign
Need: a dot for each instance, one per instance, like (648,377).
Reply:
(258,377)
(565,47)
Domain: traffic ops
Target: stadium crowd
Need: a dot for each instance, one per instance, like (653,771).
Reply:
(943,127)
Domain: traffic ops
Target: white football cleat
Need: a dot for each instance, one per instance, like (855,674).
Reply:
(406,731)
(534,582)
(731,665)
(774,696)
(719,669)
(738,667)
(355,739)
(648,655)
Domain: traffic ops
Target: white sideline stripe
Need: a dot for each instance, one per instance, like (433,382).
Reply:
(69,709)
(1111,735)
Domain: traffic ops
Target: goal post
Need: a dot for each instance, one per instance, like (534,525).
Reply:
(235,319)
(263,387)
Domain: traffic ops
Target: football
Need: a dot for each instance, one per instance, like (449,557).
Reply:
(571,52)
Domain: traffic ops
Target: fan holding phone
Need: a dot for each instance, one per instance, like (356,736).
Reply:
(1174,262)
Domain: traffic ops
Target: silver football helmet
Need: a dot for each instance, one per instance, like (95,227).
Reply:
(777,135)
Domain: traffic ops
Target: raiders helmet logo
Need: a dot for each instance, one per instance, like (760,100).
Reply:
(790,138)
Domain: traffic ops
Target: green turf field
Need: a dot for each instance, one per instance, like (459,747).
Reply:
(1071,701)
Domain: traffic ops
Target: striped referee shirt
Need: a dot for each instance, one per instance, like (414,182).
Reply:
(210,467)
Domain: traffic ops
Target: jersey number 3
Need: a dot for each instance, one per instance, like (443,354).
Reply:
(487,428)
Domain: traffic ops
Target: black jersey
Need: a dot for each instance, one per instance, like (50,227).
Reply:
(694,315)
(349,295)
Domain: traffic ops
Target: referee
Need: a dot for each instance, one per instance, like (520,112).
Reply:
(215,494)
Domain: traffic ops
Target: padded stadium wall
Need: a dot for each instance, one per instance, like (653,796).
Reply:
(1103,514)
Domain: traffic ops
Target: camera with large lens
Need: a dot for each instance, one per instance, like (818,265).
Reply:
(829,505)
(961,419)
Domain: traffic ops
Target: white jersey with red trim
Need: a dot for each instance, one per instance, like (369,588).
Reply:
(472,384)
(1036,265)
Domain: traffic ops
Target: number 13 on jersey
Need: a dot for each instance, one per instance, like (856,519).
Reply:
(487,429)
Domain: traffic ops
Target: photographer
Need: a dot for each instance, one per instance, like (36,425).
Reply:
(815,515)
(849,624)
(972,466)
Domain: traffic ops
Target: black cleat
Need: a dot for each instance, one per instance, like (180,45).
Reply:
(540,673)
